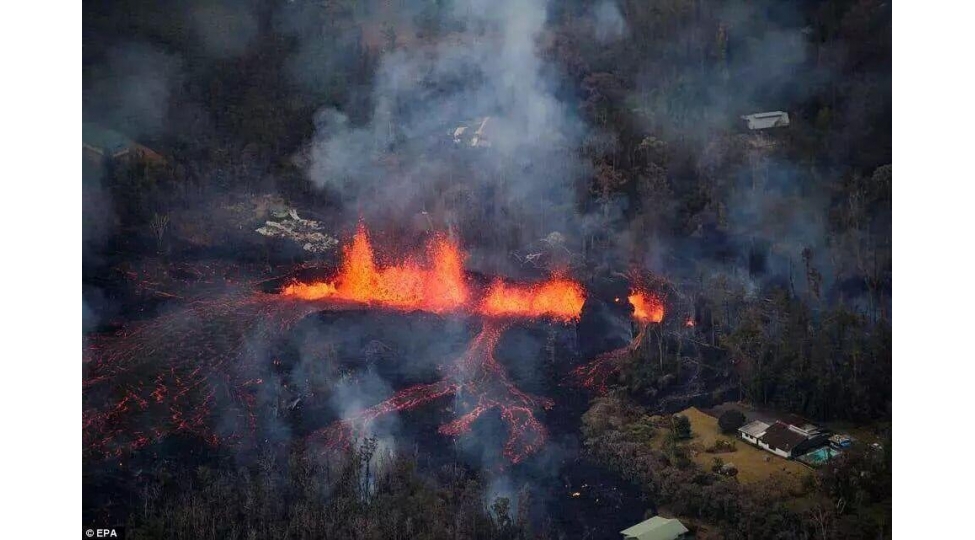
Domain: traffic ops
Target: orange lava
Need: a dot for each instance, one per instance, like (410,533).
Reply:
(647,307)
(558,298)
(436,284)
(310,291)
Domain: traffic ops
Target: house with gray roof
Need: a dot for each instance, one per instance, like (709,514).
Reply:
(786,438)
(766,120)
(656,528)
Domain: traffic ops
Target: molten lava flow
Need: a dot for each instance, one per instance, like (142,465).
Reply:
(171,374)
(595,374)
(558,298)
(647,307)
(438,285)
(166,376)
(310,291)
(485,385)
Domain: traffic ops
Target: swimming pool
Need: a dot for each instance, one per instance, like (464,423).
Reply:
(819,456)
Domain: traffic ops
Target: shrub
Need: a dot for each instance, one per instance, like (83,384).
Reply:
(730,421)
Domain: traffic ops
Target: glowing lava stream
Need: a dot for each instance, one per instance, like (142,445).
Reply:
(181,366)
(169,375)
(647,309)
(439,285)
(476,375)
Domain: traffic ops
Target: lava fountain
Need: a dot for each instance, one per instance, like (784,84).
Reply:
(436,284)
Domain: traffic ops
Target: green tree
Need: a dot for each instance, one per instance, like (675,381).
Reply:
(680,426)
(731,420)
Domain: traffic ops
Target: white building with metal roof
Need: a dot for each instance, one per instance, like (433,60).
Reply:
(655,528)
(766,120)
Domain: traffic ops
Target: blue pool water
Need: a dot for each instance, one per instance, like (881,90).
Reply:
(819,456)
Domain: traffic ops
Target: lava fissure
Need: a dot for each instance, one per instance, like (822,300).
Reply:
(437,283)
(182,365)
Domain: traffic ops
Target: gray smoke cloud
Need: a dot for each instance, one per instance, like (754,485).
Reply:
(405,161)
(758,68)
(609,24)
(757,197)
(131,90)
(224,27)
(130,93)
(353,394)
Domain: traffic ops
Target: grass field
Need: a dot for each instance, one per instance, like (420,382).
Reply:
(754,464)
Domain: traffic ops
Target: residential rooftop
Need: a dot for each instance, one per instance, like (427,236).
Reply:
(754,428)
(780,436)
(655,528)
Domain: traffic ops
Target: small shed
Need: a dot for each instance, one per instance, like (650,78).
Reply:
(656,528)
(766,120)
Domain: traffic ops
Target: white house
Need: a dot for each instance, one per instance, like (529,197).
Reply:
(788,441)
(766,120)
(783,438)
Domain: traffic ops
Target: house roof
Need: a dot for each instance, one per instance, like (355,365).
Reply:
(779,436)
(474,133)
(766,120)
(655,528)
(798,423)
(105,141)
(754,429)
(112,143)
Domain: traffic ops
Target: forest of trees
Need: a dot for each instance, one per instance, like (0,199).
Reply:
(364,494)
